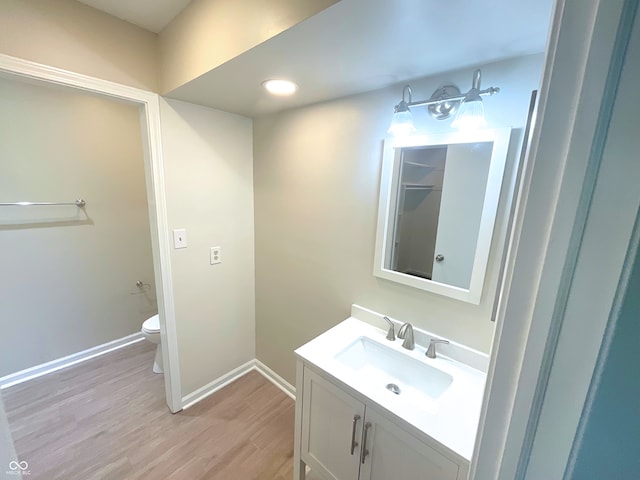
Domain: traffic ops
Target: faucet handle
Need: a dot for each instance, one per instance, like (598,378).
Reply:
(391,334)
(431,351)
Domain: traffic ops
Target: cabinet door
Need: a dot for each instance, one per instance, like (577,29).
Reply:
(330,420)
(396,454)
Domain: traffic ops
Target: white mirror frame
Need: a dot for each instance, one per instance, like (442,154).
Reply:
(391,155)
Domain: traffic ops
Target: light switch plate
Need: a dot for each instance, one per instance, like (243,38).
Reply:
(180,238)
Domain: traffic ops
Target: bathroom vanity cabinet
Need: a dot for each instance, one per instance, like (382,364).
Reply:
(341,435)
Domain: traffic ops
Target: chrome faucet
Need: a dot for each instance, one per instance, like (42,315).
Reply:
(406,333)
(431,351)
(391,334)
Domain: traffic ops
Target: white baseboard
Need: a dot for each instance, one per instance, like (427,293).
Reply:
(187,401)
(220,382)
(203,392)
(64,362)
(276,379)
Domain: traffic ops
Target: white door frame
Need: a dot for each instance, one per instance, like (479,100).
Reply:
(551,212)
(603,230)
(154,173)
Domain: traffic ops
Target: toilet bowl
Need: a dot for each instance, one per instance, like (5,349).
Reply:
(151,331)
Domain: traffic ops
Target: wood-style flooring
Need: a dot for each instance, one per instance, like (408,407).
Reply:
(107,419)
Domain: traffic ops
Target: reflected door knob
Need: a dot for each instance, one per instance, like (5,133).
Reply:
(439,257)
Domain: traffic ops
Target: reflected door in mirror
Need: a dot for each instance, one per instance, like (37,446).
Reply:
(440,197)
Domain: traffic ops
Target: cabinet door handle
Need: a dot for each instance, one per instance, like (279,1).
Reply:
(365,452)
(354,444)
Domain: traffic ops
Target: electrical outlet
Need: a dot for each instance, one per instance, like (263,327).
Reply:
(180,238)
(216,255)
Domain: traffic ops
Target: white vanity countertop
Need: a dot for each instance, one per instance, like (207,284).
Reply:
(451,420)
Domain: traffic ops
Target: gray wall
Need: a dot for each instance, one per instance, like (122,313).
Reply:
(209,187)
(68,276)
(316,182)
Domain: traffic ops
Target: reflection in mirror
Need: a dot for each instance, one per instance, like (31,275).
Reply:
(438,200)
(438,209)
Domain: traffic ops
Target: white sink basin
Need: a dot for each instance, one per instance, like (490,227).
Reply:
(440,397)
(384,367)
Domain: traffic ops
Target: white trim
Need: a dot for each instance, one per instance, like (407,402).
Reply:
(150,125)
(621,297)
(45,73)
(276,379)
(68,361)
(610,184)
(384,230)
(188,401)
(581,42)
(219,383)
(161,246)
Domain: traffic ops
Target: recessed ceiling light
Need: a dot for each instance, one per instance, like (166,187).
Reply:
(280,87)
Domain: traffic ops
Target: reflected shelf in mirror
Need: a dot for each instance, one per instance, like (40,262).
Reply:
(417,186)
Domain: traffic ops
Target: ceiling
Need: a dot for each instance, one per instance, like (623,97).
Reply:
(360,45)
(355,46)
(151,15)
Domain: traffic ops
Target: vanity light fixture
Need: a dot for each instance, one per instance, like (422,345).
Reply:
(402,123)
(444,102)
(471,111)
(280,87)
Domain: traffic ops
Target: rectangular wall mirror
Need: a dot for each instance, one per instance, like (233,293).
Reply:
(438,200)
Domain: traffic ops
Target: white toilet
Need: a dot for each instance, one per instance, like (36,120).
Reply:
(151,331)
